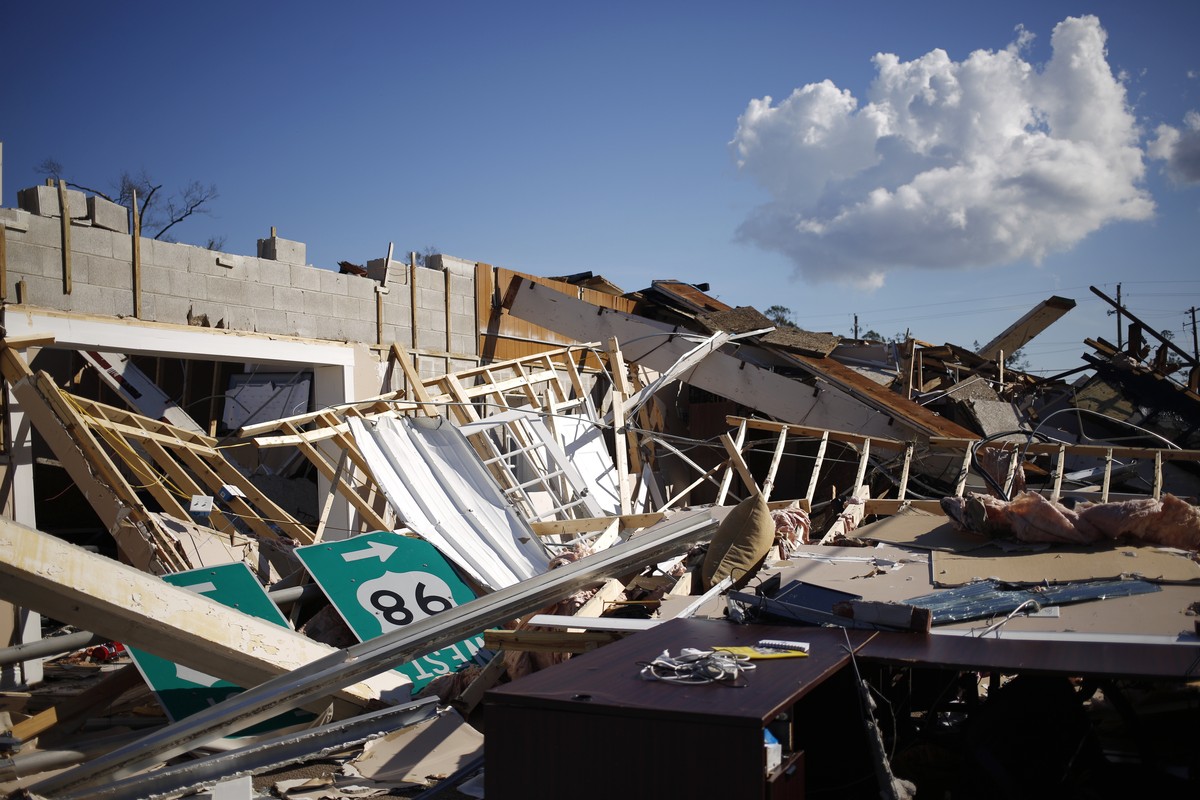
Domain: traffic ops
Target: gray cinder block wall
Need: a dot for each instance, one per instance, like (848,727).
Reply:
(274,292)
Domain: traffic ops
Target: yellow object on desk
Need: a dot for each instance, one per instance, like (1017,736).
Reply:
(755,653)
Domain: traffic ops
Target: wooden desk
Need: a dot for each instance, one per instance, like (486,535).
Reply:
(592,728)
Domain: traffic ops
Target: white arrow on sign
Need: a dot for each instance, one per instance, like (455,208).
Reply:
(374,550)
(200,588)
(195,676)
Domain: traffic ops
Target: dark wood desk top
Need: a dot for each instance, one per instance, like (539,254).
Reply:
(608,681)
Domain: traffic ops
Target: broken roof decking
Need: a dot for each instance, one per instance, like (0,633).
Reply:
(842,399)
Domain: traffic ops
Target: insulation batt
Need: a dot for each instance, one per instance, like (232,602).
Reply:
(1029,517)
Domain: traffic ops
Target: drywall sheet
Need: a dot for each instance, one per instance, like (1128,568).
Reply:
(436,483)
(407,757)
(1063,564)
(925,531)
(583,442)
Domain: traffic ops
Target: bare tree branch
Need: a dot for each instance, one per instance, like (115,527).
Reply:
(190,201)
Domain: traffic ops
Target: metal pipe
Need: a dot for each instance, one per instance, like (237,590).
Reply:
(262,755)
(47,648)
(344,667)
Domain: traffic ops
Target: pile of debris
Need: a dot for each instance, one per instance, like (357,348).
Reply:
(657,456)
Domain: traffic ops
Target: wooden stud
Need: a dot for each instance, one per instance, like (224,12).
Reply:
(862,465)
(65,227)
(903,488)
(739,464)
(3,262)
(136,239)
(1108,462)
(1158,475)
(616,366)
(96,697)
(769,482)
(1059,467)
(963,470)
(728,476)
(412,296)
(416,386)
(816,470)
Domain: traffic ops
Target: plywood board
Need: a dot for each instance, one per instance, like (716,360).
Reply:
(924,531)
(1063,564)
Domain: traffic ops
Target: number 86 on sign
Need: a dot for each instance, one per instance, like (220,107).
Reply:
(397,599)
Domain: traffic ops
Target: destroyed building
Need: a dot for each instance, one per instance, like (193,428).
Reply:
(432,518)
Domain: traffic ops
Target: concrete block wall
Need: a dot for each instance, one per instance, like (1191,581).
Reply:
(183,284)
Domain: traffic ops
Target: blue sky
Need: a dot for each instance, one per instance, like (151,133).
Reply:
(635,140)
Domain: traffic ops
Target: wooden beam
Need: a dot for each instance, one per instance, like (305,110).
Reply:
(620,391)
(3,262)
(65,228)
(739,463)
(112,599)
(136,241)
(1021,332)
(416,386)
(97,697)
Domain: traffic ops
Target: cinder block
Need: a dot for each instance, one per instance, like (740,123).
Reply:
(397,271)
(272,272)
(430,299)
(301,324)
(186,284)
(93,241)
(165,254)
(288,299)
(111,273)
(360,287)
(332,283)
(240,318)
(237,292)
(170,308)
(155,280)
(302,277)
(430,278)
(285,250)
(108,215)
(43,201)
(269,320)
(358,330)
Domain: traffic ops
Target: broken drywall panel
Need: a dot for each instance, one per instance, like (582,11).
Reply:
(659,346)
(98,594)
(412,756)
(260,396)
(1021,332)
(437,485)
(135,387)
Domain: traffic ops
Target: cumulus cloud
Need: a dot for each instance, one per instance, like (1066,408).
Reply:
(1180,149)
(948,164)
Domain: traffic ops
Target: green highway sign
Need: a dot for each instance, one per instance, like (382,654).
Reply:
(380,582)
(183,691)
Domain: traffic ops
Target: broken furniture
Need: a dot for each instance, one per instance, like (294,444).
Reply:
(668,740)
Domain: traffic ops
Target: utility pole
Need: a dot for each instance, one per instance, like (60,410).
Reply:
(1120,342)
(1195,348)
(856,324)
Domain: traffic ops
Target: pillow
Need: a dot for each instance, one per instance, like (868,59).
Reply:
(741,543)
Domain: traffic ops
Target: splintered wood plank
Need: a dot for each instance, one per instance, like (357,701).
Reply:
(140,610)
(739,463)
(96,697)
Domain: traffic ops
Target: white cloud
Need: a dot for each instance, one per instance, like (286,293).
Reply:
(948,164)
(1180,149)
